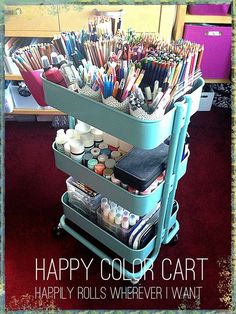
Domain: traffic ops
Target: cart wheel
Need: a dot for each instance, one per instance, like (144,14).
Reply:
(174,241)
(57,230)
(134,281)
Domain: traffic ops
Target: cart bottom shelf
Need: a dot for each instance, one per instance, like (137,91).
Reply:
(144,257)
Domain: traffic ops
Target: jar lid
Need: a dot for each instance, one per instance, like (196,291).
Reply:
(105,151)
(110,163)
(87,156)
(103,145)
(76,147)
(99,167)
(98,134)
(115,154)
(107,172)
(102,158)
(92,162)
(95,151)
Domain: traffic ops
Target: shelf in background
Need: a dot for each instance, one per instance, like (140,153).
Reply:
(13,77)
(216,19)
(26,111)
(217,81)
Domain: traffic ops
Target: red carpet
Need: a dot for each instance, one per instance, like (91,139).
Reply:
(33,190)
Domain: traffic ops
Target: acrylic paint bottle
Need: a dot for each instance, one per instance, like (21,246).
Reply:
(52,74)
(60,141)
(76,150)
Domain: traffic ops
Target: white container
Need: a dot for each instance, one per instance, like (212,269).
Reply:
(60,140)
(82,127)
(88,141)
(76,150)
(98,136)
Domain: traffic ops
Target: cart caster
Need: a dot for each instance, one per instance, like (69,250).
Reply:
(134,281)
(57,231)
(174,240)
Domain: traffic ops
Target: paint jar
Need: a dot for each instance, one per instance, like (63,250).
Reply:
(115,180)
(112,215)
(110,163)
(107,173)
(92,163)
(76,150)
(116,155)
(98,136)
(88,141)
(102,158)
(99,168)
(102,145)
(60,140)
(95,152)
(86,158)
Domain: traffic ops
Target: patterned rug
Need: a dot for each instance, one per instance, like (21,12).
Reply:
(222,96)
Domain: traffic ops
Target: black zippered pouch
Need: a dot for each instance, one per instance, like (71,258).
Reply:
(140,167)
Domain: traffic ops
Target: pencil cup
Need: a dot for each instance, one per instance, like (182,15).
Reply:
(89,92)
(143,115)
(112,102)
(34,83)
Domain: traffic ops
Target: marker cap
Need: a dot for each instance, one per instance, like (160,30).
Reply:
(104,201)
(54,58)
(132,220)
(106,210)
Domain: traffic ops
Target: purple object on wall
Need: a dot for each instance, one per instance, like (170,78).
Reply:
(209,9)
(217,41)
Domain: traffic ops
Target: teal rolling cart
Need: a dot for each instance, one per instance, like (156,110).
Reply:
(144,134)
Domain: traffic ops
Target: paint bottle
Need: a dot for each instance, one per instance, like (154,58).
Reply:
(125,223)
(70,134)
(132,220)
(82,127)
(88,141)
(76,150)
(118,219)
(52,74)
(106,211)
(104,201)
(112,215)
(98,136)
(60,141)
(92,163)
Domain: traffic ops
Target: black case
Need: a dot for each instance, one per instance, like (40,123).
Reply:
(140,167)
